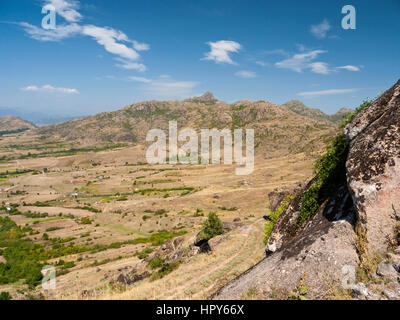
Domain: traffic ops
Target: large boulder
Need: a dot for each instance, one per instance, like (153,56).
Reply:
(318,255)
(373,167)
(286,227)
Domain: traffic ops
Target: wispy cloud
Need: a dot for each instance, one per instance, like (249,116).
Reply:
(325,92)
(320,67)
(306,61)
(139,79)
(50,88)
(262,63)
(114,41)
(221,50)
(130,65)
(111,40)
(302,61)
(61,32)
(246,74)
(320,30)
(349,68)
(140,46)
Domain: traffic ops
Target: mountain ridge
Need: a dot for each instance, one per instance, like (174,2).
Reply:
(275,125)
(300,108)
(13,123)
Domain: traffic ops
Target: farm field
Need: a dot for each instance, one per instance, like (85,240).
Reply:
(104,218)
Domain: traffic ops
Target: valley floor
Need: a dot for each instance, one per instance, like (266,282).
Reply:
(117,213)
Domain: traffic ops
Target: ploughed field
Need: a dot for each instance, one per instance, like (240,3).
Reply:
(115,227)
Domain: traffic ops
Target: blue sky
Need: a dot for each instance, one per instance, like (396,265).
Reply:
(104,55)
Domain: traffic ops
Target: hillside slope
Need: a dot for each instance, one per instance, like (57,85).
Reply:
(298,107)
(277,128)
(11,123)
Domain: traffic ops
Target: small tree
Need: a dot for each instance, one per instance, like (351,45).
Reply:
(212,227)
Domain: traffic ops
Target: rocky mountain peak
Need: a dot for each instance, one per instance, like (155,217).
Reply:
(206,97)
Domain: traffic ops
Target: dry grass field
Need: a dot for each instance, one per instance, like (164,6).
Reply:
(123,213)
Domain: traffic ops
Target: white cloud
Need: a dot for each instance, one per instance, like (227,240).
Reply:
(113,41)
(61,32)
(50,88)
(262,63)
(139,79)
(349,68)
(302,61)
(110,39)
(246,74)
(320,30)
(325,92)
(221,50)
(305,61)
(129,65)
(140,46)
(320,67)
(66,9)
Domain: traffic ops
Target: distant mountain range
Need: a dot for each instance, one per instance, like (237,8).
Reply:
(291,127)
(11,123)
(299,108)
(38,118)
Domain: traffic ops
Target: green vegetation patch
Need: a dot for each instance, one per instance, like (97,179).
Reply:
(167,268)
(274,217)
(211,227)
(24,259)
(330,172)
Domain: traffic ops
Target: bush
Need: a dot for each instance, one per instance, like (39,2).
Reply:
(86,220)
(212,227)
(165,269)
(5,296)
(156,263)
(144,253)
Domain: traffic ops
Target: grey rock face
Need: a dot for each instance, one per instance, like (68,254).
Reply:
(373,166)
(320,251)
(386,269)
(360,289)
(391,295)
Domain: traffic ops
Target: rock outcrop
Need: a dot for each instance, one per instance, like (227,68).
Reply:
(360,219)
(373,166)
(319,253)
